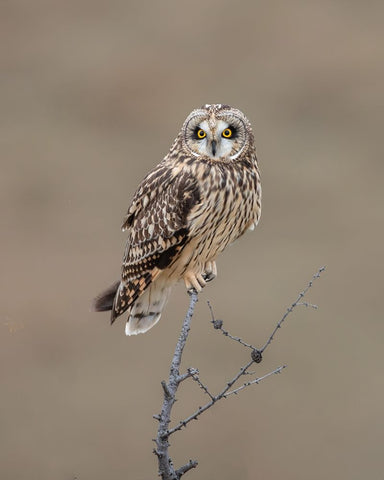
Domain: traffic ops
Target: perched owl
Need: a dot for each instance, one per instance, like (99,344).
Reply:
(203,196)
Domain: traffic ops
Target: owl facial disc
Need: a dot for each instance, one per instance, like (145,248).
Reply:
(217,132)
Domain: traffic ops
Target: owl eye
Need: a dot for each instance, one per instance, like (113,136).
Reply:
(227,133)
(201,134)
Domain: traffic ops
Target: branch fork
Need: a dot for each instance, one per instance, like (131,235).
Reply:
(167,470)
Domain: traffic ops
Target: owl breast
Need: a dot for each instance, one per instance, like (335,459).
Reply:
(230,204)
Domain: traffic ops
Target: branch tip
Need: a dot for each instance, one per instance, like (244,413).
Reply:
(185,468)
(295,304)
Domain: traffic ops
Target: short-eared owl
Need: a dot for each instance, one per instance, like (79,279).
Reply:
(203,196)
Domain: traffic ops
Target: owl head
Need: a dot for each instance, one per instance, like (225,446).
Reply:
(217,131)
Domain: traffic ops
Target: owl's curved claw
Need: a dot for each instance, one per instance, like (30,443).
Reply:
(194,281)
(210,271)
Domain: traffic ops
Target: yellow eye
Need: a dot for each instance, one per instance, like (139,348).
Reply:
(227,133)
(201,134)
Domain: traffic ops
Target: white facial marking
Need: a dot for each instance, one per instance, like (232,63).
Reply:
(214,132)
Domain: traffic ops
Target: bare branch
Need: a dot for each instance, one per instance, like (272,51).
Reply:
(185,468)
(223,394)
(255,381)
(190,372)
(219,396)
(290,309)
(166,468)
(308,305)
(195,377)
(218,325)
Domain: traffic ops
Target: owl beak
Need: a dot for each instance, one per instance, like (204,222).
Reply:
(214,144)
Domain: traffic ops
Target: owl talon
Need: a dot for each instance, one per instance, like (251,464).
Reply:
(210,271)
(208,277)
(194,281)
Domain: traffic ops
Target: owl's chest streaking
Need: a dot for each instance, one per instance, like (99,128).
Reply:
(230,200)
(230,196)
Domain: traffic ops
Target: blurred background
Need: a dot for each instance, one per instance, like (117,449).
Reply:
(92,95)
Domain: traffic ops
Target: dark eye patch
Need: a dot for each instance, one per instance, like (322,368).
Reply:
(195,133)
(235,131)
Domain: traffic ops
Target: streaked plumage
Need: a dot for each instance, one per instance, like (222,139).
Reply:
(203,196)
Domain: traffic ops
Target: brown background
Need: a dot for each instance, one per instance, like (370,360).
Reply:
(92,96)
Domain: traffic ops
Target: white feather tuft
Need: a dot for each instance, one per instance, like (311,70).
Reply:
(134,326)
(147,309)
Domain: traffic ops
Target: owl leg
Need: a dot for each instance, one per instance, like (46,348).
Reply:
(210,271)
(194,281)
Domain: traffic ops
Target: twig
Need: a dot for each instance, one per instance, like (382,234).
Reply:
(195,377)
(218,325)
(190,372)
(220,396)
(185,468)
(290,309)
(256,380)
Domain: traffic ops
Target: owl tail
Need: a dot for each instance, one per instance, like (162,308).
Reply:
(147,309)
(144,308)
(104,301)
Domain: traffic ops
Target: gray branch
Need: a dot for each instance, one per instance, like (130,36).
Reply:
(166,468)
(254,381)
(196,378)
(295,304)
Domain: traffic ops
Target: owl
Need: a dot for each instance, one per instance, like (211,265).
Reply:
(203,196)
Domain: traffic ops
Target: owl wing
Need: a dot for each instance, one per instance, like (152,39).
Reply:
(157,225)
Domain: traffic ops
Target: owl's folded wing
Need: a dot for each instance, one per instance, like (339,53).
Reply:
(157,226)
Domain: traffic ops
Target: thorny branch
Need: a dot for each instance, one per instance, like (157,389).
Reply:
(167,470)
